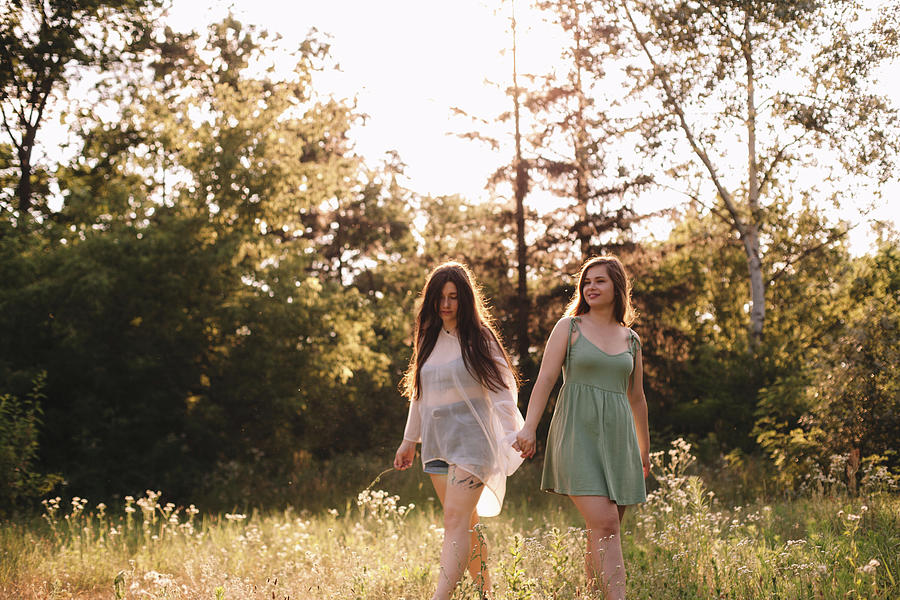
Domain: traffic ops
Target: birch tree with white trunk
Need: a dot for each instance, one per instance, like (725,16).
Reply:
(749,103)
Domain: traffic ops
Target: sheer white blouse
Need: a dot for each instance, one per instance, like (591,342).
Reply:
(465,424)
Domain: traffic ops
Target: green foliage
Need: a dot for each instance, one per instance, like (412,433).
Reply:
(20,420)
(690,292)
(193,301)
(844,399)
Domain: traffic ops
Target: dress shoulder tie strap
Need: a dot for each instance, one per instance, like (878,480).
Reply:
(573,327)
(635,342)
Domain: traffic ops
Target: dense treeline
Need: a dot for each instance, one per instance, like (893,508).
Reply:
(220,295)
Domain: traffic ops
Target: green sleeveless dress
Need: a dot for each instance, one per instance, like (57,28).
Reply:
(592,447)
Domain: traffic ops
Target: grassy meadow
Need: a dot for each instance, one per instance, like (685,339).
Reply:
(688,541)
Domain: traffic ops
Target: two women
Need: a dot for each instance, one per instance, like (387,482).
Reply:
(463,410)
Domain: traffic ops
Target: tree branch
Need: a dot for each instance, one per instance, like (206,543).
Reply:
(9,131)
(720,21)
(696,198)
(659,73)
(833,237)
(778,156)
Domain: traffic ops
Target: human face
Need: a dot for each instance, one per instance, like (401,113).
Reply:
(598,288)
(448,305)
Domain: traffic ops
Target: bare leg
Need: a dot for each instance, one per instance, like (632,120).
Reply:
(459,548)
(477,566)
(603,555)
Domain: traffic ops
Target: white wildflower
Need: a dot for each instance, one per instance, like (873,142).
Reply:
(870,567)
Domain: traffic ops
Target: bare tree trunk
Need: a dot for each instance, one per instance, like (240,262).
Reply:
(584,228)
(757,285)
(23,189)
(751,235)
(523,342)
(746,225)
(29,122)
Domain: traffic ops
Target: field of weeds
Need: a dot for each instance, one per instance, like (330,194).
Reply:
(683,543)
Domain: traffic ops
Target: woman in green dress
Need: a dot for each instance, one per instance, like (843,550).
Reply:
(598,447)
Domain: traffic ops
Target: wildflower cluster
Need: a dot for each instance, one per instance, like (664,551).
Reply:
(680,518)
(157,521)
(839,476)
(876,477)
(380,507)
(670,470)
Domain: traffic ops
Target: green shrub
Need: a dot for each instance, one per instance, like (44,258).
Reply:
(20,420)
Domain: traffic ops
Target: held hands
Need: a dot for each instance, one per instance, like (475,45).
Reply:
(405,455)
(525,442)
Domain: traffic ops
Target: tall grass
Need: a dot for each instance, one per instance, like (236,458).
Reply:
(382,545)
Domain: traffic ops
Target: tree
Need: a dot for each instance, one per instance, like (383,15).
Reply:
(520,190)
(688,289)
(576,134)
(691,290)
(793,78)
(44,45)
(186,308)
(844,400)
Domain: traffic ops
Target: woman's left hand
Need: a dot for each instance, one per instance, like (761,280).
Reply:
(645,461)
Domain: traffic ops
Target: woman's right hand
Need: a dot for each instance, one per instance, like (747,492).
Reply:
(405,455)
(525,442)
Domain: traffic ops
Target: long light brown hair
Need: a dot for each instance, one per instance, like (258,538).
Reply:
(474,326)
(623,310)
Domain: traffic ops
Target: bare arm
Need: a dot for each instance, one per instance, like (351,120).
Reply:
(406,453)
(504,399)
(554,355)
(638,403)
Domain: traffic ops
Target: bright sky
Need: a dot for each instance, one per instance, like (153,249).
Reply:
(407,62)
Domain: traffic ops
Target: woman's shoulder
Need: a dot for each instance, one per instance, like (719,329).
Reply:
(488,333)
(633,337)
(493,341)
(567,321)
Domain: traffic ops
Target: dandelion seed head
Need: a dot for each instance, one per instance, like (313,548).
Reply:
(870,567)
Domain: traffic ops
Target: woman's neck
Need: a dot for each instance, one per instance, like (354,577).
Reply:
(448,325)
(601,315)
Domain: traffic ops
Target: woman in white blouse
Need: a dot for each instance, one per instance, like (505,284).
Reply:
(462,392)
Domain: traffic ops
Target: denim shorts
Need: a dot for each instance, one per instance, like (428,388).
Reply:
(437,467)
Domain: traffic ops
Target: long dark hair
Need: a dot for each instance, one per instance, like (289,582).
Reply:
(474,326)
(623,311)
